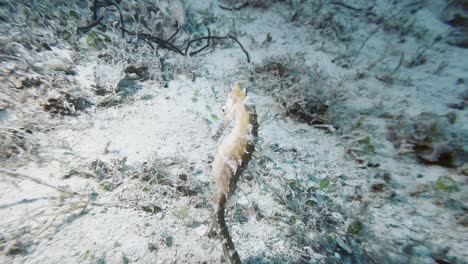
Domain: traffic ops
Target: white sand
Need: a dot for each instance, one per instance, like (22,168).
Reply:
(175,124)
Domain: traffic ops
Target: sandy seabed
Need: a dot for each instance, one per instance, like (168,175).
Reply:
(106,141)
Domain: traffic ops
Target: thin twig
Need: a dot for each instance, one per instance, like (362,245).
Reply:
(346,6)
(90,26)
(399,63)
(371,34)
(26,201)
(151,45)
(234,8)
(35,180)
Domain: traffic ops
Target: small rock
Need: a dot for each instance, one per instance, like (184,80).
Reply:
(355,228)
(463,221)
(57,65)
(159,215)
(421,251)
(152,246)
(464,171)
(446,184)
(46,46)
(343,245)
(205,246)
(452,117)
(15,247)
(141,72)
(243,201)
(169,241)
(110,100)
(337,216)
(181,212)
(183,177)
(196,201)
(382,254)
(31,82)
(2,242)
(457,106)
(420,189)
(151,208)
(458,38)
(377,187)
(60,105)
(387,177)
(240,217)
(440,254)
(115,257)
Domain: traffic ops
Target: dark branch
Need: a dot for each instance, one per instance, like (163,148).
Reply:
(97,4)
(149,39)
(94,8)
(161,42)
(209,37)
(200,39)
(175,33)
(242,47)
(202,48)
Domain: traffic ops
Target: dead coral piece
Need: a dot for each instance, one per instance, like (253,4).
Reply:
(433,139)
(141,71)
(58,106)
(15,247)
(14,143)
(66,104)
(108,76)
(153,172)
(458,38)
(298,87)
(444,154)
(456,15)
(29,82)
(312,111)
(109,175)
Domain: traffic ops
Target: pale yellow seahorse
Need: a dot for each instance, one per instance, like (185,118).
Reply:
(233,154)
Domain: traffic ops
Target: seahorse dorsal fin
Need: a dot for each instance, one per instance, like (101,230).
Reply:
(238,92)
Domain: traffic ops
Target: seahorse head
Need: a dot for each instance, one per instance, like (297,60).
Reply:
(234,103)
